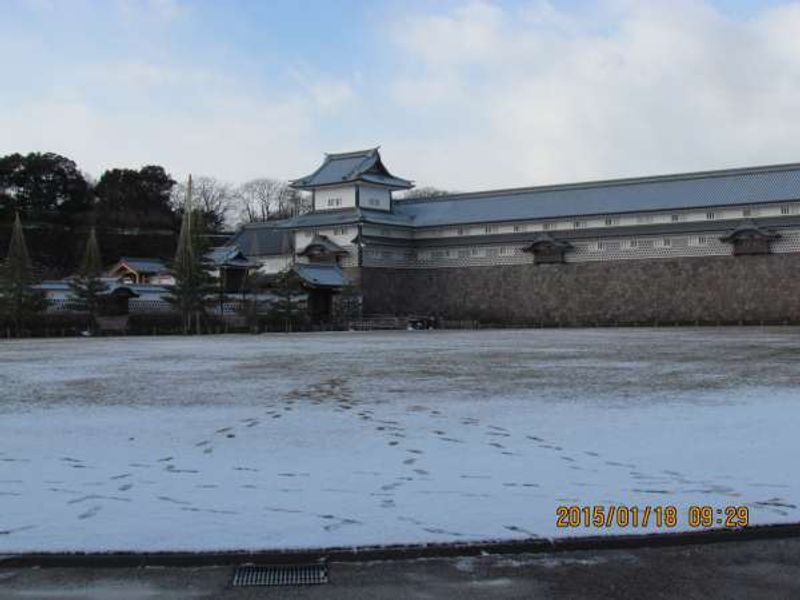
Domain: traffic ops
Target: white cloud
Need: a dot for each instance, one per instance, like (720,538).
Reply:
(481,95)
(538,95)
(131,114)
(327,93)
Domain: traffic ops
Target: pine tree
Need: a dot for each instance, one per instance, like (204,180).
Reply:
(286,310)
(19,302)
(192,286)
(87,288)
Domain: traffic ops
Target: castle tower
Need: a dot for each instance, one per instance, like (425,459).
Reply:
(352,180)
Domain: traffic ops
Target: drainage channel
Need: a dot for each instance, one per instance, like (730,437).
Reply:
(280,575)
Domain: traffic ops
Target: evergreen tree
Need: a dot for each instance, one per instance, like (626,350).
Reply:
(19,302)
(190,294)
(45,187)
(87,288)
(286,310)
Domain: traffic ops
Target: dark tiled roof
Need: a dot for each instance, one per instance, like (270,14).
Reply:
(317,275)
(144,265)
(669,192)
(325,243)
(349,167)
(229,256)
(750,229)
(262,239)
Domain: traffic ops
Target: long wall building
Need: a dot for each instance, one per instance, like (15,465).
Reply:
(706,247)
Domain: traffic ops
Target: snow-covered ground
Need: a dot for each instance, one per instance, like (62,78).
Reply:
(286,441)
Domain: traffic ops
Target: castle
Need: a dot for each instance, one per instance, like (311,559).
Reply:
(707,247)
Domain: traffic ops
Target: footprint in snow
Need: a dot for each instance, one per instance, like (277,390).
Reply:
(16,529)
(173,500)
(90,513)
(517,529)
(173,469)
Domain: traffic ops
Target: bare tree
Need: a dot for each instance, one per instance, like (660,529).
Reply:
(426,192)
(214,200)
(266,199)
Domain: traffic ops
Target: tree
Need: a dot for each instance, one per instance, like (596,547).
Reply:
(286,310)
(44,187)
(425,192)
(19,302)
(136,199)
(193,285)
(87,288)
(265,199)
(213,198)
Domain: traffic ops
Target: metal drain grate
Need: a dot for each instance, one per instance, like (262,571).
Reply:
(254,575)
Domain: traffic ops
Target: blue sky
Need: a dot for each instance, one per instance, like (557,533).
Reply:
(459,94)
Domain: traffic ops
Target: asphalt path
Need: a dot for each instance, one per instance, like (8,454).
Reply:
(743,569)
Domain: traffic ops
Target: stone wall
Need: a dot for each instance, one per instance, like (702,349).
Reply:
(720,289)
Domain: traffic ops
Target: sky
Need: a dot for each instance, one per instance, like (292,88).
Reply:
(461,95)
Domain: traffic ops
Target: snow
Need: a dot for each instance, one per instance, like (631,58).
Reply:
(339,439)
